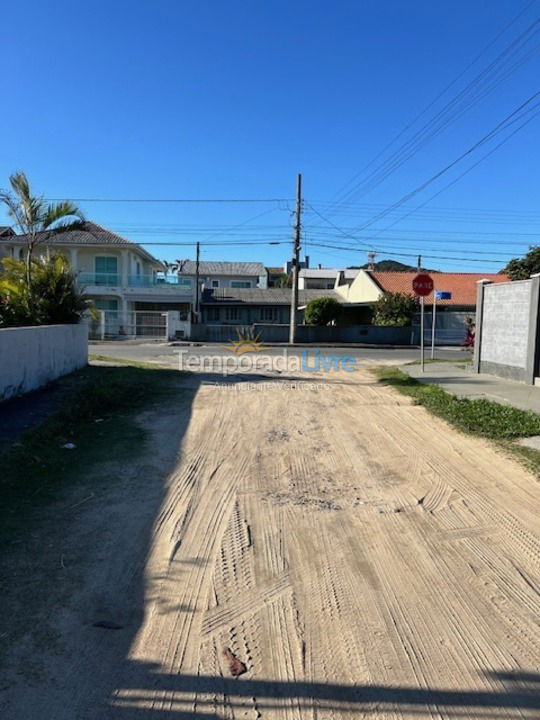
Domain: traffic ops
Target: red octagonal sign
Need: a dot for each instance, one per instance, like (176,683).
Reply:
(422,284)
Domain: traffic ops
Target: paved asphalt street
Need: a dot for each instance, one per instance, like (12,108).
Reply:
(163,352)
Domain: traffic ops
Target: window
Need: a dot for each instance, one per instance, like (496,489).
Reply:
(231,313)
(269,314)
(106,304)
(106,270)
(215,283)
(240,284)
(212,314)
(184,281)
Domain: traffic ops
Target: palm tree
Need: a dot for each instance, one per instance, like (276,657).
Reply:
(35,218)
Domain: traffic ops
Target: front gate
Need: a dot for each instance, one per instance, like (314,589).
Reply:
(115,325)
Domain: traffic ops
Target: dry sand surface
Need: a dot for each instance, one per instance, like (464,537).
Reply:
(355,556)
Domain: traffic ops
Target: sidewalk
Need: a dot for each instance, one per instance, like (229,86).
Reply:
(465,383)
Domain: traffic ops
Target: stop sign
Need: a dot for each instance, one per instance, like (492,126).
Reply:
(422,284)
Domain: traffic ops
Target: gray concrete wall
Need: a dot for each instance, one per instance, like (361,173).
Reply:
(505,323)
(273,333)
(30,357)
(506,330)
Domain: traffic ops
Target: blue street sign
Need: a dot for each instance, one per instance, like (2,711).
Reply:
(443,296)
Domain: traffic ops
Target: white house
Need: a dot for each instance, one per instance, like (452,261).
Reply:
(123,279)
(324,278)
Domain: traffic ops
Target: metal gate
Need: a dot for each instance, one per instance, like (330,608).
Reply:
(115,325)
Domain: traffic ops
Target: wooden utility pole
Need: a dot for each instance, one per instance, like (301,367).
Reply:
(296,258)
(197,283)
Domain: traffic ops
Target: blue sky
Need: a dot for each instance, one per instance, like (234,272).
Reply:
(184,99)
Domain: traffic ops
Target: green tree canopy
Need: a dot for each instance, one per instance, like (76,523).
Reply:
(35,218)
(322,311)
(523,268)
(394,309)
(55,296)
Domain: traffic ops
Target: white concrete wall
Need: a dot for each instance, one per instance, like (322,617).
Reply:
(30,357)
(505,325)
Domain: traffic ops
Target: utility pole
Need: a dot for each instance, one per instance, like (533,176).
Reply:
(421,321)
(295,259)
(197,283)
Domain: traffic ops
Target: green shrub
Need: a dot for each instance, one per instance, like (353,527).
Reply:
(322,311)
(53,298)
(394,309)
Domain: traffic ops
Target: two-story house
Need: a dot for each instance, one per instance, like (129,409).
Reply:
(234,275)
(123,279)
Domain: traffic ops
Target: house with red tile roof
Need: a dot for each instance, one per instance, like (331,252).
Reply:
(369,285)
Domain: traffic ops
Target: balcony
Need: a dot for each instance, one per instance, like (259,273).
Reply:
(159,281)
(100,279)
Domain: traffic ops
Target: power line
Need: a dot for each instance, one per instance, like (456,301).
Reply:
(398,254)
(500,127)
(173,200)
(421,137)
(465,172)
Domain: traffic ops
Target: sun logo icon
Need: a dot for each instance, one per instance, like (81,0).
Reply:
(244,344)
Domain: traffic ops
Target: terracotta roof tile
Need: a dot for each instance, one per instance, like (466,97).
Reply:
(461,285)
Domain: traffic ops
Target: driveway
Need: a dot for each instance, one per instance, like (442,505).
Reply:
(355,556)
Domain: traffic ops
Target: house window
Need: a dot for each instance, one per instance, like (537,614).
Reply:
(106,271)
(240,284)
(269,314)
(231,314)
(109,305)
(215,283)
(212,314)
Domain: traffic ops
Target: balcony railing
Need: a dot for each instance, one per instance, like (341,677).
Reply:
(159,281)
(103,279)
(135,281)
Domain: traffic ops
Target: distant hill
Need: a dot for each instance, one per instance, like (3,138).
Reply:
(389,266)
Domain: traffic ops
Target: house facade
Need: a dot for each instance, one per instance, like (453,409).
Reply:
(325,278)
(452,312)
(233,275)
(123,279)
(247,307)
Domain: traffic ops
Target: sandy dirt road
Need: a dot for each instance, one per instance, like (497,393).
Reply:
(359,557)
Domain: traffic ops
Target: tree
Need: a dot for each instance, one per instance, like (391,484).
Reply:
(175,267)
(57,300)
(322,311)
(37,219)
(523,268)
(394,309)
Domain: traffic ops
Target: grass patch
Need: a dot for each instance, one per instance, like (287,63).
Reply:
(123,361)
(429,361)
(98,416)
(477,417)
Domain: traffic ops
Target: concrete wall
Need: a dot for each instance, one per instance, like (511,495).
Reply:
(305,333)
(506,332)
(30,357)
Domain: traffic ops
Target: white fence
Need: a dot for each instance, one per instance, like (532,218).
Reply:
(114,325)
(30,357)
